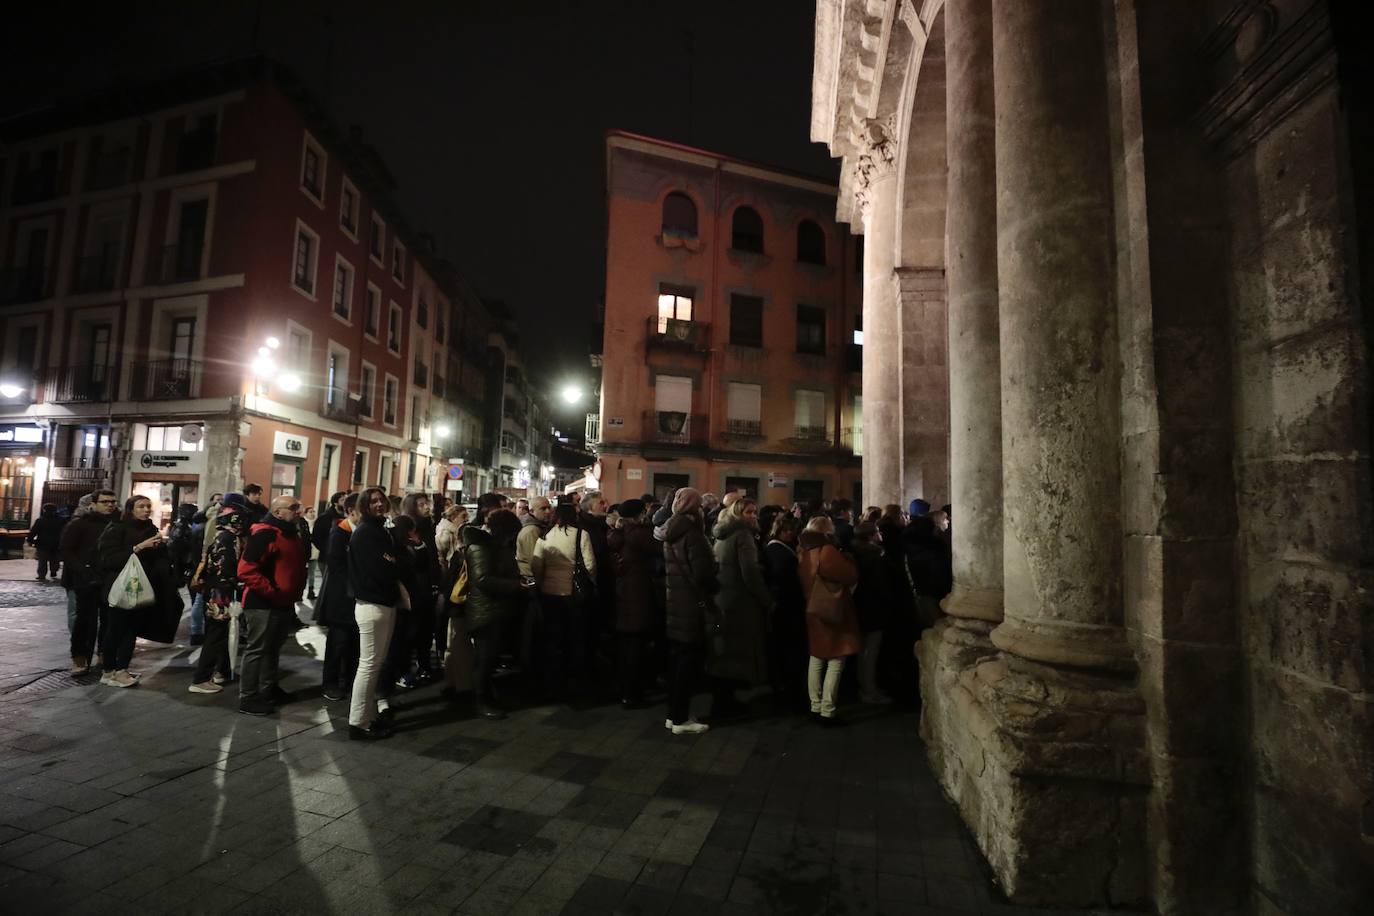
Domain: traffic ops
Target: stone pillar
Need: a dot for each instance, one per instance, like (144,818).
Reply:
(975,390)
(1061,451)
(882,459)
(924,384)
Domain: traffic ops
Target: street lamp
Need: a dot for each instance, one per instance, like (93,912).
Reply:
(442,432)
(289,382)
(572,394)
(10,390)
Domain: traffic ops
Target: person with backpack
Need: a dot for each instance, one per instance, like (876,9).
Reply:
(218,581)
(272,568)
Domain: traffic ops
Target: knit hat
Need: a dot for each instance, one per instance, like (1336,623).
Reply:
(918,508)
(685,500)
(632,508)
(233,499)
(231,516)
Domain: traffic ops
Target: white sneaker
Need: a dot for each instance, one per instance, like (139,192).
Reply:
(218,678)
(206,687)
(121,679)
(690,727)
(667,723)
(105,676)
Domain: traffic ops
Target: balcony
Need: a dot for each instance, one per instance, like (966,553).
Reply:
(97,273)
(22,284)
(593,433)
(196,150)
(852,438)
(677,334)
(81,385)
(166,380)
(672,427)
(744,429)
(179,263)
(109,170)
(475,454)
(339,406)
(809,433)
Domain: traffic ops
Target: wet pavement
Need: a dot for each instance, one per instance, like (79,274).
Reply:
(153,800)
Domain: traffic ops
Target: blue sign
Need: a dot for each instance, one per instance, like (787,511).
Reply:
(455,472)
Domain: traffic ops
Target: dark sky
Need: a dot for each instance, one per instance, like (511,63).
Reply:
(490,114)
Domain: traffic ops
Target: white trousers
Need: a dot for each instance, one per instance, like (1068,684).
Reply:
(375,623)
(822,682)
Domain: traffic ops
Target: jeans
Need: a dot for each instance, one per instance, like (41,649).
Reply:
(214,652)
(375,622)
(684,660)
(119,639)
(340,655)
(83,613)
(266,630)
(198,614)
(48,563)
(822,682)
(564,639)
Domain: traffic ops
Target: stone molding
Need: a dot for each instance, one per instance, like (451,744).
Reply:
(1266,58)
(876,162)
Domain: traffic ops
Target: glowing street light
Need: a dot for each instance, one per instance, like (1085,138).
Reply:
(264,367)
(289,382)
(442,432)
(524,462)
(273,342)
(572,394)
(10,390)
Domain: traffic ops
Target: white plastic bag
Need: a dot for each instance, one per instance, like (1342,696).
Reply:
(131,588)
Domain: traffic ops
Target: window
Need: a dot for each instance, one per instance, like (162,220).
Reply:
(376,240)
(384,470)
(398,263)
(679,216)
(674,304)
(182,259)
(415,417)
(746,230)
(810,329)
(422,313)
(420,374)
(410,469)
(312,169)
(343,289)
(367,392)
(298,350)
(348,209)
(182,340)
(373,320)
(389,401)
(336,378)
(162,439)
(196,149)
(303,260)
(439,325)
(393,329)
(746,320)
(856,432)
(810,414)
(750,486)
(359,466)
(810,243)
(743,409)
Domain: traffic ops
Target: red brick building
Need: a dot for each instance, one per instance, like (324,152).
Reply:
(213,252)
(731,342)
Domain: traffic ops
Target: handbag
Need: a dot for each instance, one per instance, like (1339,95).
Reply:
(826,602)
(459,593)
(583,585)
(131,588)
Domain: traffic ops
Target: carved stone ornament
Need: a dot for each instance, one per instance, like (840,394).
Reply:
(877,159)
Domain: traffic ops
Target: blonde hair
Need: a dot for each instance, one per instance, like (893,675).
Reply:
(821,523)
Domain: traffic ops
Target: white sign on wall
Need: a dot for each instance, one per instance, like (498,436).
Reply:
(634,474)
(142,462)
(292,446)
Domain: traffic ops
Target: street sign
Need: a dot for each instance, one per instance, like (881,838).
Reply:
(455,472)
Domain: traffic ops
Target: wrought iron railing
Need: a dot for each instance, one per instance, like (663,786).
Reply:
(672,427)
(339,406)
(81,385)
(809,433)
(166,379)
(749,428)
(593,431)
(676,333)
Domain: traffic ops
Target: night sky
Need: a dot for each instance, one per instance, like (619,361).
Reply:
(490,115)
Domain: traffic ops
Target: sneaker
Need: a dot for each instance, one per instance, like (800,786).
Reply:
(375,733)
(105,677)
(256,706)
(121,679)
(40,578)
(205,687)
(690,727)
(333,693)
(219,678)
(197,639)
(79,666)
(667,723)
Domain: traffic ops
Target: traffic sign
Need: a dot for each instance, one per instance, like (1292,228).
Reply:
(455,472)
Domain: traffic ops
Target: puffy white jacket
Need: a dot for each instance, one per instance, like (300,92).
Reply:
(552,563)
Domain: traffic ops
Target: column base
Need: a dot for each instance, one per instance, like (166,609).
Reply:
(1075,645)
(1048,768)
(972,602)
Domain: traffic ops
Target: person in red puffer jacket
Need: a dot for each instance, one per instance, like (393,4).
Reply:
(272,569)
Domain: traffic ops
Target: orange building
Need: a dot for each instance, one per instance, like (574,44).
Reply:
(731,349)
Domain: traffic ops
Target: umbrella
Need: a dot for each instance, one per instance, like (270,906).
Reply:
(235,611)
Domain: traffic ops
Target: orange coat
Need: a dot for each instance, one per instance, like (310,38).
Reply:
(829,640)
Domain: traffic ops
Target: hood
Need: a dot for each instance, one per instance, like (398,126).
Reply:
(185,511)
(474,534)
(679,525)
(728,525)
(271,521)
(810,540)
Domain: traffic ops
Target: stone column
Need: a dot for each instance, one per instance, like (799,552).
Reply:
(882,459)
(1060,376)
(975,390)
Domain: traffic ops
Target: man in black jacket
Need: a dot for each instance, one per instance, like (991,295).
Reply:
(374,577)
(45,534)
(81,575)
(324,525)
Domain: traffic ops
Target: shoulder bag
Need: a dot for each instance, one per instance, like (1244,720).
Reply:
(827,599)
(583,585)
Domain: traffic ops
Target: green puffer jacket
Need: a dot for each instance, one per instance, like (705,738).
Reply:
(494,591)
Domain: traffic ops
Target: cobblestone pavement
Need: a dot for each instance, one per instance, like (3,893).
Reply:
(153,800)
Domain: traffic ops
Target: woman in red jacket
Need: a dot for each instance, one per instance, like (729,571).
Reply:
(830,643)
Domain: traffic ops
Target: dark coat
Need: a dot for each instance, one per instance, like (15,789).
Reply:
(115,547)
(874,597)
(691,578)
(744,602)
(494,589)
(372,569)
(780,572)
(929,559)
(80,560)
(634,551)
(335,607)
(819,555)
(325,524)
(46,532)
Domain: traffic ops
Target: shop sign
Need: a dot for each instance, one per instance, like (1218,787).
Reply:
(290,445)
(141,462)
(522,479)
(634,474)
(20,434)
(778,480)
(616,422)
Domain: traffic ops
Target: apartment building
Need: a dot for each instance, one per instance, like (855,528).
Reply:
(520,427)
(732,344)
(205,283)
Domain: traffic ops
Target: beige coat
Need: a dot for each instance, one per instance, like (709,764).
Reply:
(552,560)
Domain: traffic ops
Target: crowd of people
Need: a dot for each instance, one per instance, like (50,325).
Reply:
(652,600)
